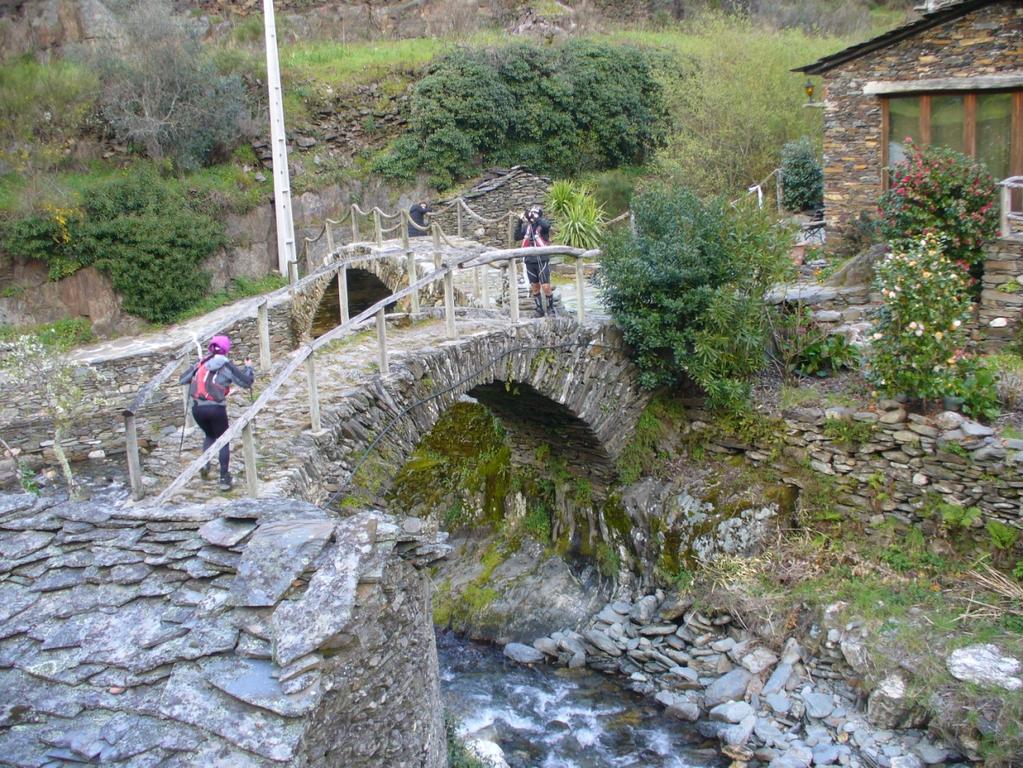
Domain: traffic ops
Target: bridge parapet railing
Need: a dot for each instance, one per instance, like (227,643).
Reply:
(1011,205)
(338,260)
(305,356)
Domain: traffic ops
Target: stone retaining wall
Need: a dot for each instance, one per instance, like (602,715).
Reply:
(888,465)
(1001,299)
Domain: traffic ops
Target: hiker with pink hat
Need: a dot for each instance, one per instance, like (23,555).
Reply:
(210,381)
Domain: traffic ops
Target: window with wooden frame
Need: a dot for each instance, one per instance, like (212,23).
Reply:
(986,125)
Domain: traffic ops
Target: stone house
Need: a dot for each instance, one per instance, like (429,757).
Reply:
(952,77)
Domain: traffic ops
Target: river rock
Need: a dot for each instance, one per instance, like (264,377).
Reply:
(759,660)
(678,706)
(644,610)
(825,754)
(985,664)
(819,705)
(602,642)
(729,687)
(737,735)
(779,703)
(522,653)
(854,651)
(794,757)
(776,682)
(906,761)
(487,752)
(731,711)
(890,707)
(930,753)
(545,645)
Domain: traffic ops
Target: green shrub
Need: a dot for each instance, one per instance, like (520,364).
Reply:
(920,327)
(687,289)
(802,177)
(578,218)
(805,348)
(977,385)
(139,230)
(583,105)
(1002,536)
(939,190)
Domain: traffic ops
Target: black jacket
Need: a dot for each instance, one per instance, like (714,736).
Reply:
(418,215)
(524,230)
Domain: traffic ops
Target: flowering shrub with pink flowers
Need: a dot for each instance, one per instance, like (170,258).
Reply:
(941,191)
(919,330)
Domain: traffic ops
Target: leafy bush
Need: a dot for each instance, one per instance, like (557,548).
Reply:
(977,385)
(939,190)
(920,327)
(807,349)
(582,105)
(139,230)
(1002,536)
(802,177)
(161,92)
(578,219)
(688,289)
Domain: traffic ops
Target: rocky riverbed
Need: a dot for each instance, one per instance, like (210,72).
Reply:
(793,707)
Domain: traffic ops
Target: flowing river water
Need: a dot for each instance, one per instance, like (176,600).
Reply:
(549,717)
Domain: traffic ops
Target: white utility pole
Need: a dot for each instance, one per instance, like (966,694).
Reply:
(279,145)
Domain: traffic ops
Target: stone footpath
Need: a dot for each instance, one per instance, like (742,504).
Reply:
(264,633)
(285,421)
(789,709)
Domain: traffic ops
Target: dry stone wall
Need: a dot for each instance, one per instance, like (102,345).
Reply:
(1001,300)
(889,466)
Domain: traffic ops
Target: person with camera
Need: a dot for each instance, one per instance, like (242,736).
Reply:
(534,231)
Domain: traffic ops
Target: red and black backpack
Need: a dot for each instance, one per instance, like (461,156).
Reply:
(204,386)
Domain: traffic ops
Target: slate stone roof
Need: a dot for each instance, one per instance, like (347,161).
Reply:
(943,14)
(176,636)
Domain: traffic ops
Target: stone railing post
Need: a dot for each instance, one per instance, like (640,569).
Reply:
(131,439)
(314,395)
(778,190)
(513,291)
(330,239)
(511,229)
(385,367)
(458,219)
(580,290)
(355,224)
(378,232)
(485,276)
(292,272)
(1006,196)
(249,454)
(449,305)
(263,320)
(404,230)
(342,292)
(189,420)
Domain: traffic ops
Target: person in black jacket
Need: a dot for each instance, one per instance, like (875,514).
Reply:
(210,381)
(534,231)
(417,214)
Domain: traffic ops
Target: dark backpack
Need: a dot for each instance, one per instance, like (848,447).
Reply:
(204,386)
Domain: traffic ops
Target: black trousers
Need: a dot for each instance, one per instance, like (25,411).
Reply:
(212,420)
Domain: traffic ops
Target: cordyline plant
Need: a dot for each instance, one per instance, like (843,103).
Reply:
(62,384)
(920,328)
(579,218)
(942,192)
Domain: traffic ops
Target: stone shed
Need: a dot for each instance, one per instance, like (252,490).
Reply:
(499,191)
(952,77)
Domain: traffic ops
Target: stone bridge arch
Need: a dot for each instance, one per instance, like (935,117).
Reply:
(572,387)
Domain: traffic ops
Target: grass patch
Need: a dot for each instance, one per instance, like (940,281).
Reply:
(240,288)
(59,336)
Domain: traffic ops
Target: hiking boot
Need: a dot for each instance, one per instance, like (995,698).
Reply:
(206,472)
(550,306)
(538,304)
(226,483)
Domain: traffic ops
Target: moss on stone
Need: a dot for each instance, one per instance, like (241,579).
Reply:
(658,428)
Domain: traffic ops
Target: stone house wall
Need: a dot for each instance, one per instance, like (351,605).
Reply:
(514,190)
(982,42)
(1001,299)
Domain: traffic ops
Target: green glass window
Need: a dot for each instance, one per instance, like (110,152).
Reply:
(903,123)
(994,132)
(948,113)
